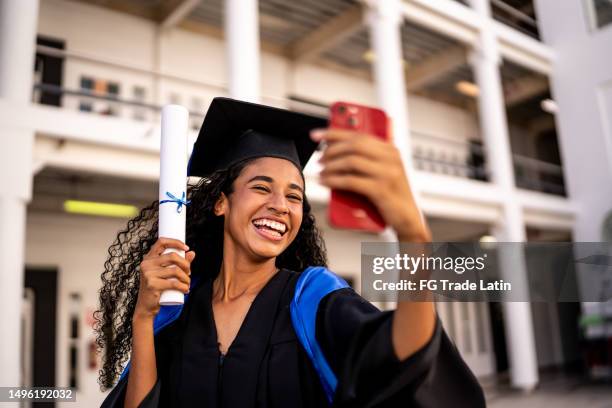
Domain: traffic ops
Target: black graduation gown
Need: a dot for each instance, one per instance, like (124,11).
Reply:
(266,365)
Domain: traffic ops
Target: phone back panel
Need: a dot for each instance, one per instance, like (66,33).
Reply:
(346,209)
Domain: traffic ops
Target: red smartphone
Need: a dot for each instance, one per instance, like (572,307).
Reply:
(347,209)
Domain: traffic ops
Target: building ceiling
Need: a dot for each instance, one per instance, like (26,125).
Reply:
(52,186)
(331,33)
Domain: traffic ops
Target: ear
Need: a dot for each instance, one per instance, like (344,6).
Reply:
(221,205)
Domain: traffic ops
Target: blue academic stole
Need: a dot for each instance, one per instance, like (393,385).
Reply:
(312,286)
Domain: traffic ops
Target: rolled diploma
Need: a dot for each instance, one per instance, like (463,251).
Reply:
(173,179)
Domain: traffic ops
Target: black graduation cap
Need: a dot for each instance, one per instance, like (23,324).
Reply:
(235,130)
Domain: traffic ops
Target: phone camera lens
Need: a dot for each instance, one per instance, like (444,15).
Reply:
(352,121)
(341,109)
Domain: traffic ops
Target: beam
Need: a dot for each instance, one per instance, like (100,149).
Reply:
(137,9)
(327,35)
(173,12)
(92,158)
(435,67)
(524,88)
(461,23)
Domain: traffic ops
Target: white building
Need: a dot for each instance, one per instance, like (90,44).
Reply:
(502,109)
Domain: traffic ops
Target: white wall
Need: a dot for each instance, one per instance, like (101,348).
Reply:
(195,67)
(582,88)
(102,33)
(76,246)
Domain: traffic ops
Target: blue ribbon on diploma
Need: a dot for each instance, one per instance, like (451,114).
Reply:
(180,202)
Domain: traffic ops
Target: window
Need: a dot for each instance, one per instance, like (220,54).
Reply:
(75,307)
(87,85)
(113,89)
(101,88)
(599,13)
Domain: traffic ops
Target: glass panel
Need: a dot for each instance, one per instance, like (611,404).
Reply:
(113,89)
(87,83)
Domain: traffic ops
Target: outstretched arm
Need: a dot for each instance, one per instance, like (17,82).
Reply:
(373,168)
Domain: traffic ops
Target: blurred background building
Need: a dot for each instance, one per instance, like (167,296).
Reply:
(502,110)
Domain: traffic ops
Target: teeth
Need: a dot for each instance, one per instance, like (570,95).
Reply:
(277,226)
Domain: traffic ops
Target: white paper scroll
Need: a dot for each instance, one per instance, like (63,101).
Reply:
(173,184)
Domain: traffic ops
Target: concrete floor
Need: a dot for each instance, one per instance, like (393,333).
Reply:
(553,392)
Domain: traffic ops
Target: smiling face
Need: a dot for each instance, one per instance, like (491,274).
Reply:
(264,212)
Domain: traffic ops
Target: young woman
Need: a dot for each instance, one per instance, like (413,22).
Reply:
(234,343)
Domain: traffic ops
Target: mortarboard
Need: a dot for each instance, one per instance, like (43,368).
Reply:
(235,130)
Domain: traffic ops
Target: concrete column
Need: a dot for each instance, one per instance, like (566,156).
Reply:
(18,22)
(494,127)
(384,19)
(242,39)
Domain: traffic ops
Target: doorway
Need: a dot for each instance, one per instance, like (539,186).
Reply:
(48,73)
(39,323)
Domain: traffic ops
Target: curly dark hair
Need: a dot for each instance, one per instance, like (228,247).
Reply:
(204,234)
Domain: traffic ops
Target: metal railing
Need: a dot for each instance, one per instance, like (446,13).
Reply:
(454,157)
(538,175)
(467,159)
(91,95)
(152,81)
(509,15)
(515,18)
(432,153)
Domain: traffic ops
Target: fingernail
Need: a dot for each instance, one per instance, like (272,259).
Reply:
(317,134)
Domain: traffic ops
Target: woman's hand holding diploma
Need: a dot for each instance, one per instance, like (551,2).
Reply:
(156,269)
(373,168)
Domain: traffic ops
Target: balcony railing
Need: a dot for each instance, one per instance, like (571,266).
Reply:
(508,12)
(463,158)
(538,175)
(514,13)
(108,104)
(453,157)
(467,159)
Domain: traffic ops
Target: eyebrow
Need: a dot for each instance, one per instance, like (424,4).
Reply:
(271,180)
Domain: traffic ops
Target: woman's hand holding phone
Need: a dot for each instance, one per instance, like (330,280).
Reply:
(373,168)
(360,163)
